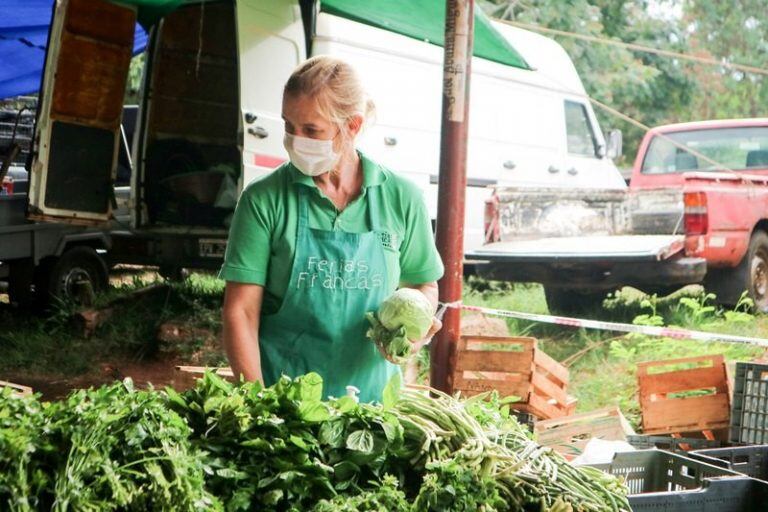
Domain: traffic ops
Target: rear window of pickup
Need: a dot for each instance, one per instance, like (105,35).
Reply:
(713,149)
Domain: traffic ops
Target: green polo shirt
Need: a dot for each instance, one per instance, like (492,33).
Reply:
(262,237)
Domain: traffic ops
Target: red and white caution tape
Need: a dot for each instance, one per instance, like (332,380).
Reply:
(650,330)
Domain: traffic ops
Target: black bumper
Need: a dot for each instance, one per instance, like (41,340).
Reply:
(593,274)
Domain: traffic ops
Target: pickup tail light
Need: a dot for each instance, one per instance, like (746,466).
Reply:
(696,218)
(6,187)
(492,219)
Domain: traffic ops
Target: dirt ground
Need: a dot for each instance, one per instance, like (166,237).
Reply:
(175,341)
(477,324)
(158,368)
(156,372)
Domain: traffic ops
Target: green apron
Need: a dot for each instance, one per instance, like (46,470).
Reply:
(320,327)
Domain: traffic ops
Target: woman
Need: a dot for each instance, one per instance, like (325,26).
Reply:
(319,242)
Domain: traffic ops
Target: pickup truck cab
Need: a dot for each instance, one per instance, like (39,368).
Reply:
(696,211)
(721,168)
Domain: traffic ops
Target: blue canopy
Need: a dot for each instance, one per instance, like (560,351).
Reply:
(24,28)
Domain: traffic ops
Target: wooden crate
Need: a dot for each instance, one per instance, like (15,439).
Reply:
(184,377)
(569,435)
(513,366)
(665,414)
(16,389)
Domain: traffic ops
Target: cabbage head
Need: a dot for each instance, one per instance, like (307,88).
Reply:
(404,317)
(407,308)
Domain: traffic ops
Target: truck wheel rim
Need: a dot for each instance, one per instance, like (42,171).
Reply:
(759,278)
(72,280)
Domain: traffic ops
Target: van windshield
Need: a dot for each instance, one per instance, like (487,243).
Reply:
(731,148)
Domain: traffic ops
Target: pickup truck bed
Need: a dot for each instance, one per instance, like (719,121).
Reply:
(685,218)
(592,263)
(588,249)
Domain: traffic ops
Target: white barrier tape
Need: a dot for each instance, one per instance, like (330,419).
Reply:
(650,330)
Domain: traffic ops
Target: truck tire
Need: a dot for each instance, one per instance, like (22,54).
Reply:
(173,273)
(751,274)
(757,270)
(570,302)
(76,276)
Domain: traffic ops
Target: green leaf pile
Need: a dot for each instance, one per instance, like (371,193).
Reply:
(113,448)
(227,447)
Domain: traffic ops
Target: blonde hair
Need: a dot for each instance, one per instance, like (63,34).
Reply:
(336,87)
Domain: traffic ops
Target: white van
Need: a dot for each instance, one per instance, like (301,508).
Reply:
(210,120)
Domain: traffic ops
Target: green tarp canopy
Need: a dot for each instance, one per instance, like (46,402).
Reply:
(152,10)
(425,20)
(420,19)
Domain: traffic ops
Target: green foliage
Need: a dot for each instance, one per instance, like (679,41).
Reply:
(510,296)
(225,447)
(732,32)
(652,318)
(603,374)
(453,486)
(54,343)
(742,311)
(694,311)
(393,344)
(22,444)
(112,448)
(386,497)
(656,89)
(135,73)
(647,87)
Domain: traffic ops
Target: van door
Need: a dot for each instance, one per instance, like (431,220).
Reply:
(271,44)
(530,133)
(78,130)
(586,165)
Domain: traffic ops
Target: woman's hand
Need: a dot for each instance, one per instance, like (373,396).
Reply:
(436,326)
(429,290)
(416,345)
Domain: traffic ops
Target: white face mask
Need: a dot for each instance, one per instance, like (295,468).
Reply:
(312,157)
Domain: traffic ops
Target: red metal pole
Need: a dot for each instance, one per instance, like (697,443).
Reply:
(459,17)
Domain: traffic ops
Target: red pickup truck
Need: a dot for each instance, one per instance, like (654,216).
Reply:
(696,211)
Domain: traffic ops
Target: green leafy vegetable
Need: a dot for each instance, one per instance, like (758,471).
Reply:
(112,448)
(223,447)
(404,317)
(391,392)
(384,497)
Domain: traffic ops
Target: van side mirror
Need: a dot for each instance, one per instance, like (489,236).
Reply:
(614,142)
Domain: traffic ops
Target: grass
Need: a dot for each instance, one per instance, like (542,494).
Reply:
(605,375)
(53,344)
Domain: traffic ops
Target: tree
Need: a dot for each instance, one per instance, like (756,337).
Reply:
(649,88)
(733,32)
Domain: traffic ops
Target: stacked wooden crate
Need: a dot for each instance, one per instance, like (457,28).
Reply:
(513,366)
(569,435)
(185,376)
(16,389)
(685,396)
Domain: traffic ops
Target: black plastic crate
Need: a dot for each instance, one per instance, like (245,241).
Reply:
(748,460)
(720,494)
(749,409)
(660,471)
(525,418)
(664,481)
(671,444)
